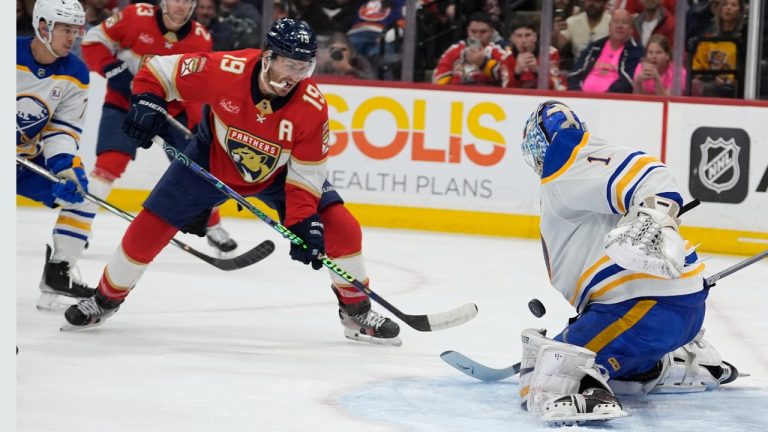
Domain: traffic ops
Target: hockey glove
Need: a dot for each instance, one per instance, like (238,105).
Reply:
(70,168)
(311,231)
(119,78)
(647,239)
(146,118)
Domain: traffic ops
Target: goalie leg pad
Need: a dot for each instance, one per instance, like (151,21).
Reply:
(694,367)
(551,388)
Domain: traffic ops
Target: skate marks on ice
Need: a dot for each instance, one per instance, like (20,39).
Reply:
(456,404)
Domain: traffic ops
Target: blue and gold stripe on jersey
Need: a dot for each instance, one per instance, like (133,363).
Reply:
(605,276)
(628,176)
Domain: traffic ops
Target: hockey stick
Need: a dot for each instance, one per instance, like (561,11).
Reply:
(431,322)
(253,256)
(481,372)
(712,280)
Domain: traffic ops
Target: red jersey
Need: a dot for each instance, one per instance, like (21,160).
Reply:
(529,79)
(134,36)
(252,138)
(452,69)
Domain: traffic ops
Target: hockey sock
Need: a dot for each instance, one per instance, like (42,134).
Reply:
(215,217)
(109,166)
(146,236)
(70,234)
(343,244)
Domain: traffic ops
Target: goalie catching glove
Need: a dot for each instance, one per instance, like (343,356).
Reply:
(647,239)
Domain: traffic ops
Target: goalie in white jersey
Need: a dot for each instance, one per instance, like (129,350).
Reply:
(609,230)
(51,99)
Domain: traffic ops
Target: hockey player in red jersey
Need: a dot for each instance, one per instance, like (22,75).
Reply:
(265,134)
(117,49)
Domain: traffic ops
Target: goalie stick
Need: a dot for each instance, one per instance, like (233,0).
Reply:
(481,372)
(258,253)
(431,322)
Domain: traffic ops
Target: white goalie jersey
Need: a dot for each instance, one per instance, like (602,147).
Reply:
(51,101)
(586,187)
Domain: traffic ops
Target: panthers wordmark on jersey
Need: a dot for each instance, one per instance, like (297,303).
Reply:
(586,187)
(50,103)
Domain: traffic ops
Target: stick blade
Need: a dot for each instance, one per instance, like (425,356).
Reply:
(438,321)
(452,318)
(258,253)
(476,370)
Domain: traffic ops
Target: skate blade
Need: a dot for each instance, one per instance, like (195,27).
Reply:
(360,337)
(54,303)
(582,419)
(67,327)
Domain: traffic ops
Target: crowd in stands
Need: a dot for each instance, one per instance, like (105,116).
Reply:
(622,46)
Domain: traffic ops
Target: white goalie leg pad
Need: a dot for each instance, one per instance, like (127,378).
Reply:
(687,369)
(551,390)
(533,340)
(647,239)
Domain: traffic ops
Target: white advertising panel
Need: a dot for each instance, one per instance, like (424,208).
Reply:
(456,149)
(720,156)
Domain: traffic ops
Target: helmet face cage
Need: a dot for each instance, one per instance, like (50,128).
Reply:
(164,8)
(534,145)
(57,11)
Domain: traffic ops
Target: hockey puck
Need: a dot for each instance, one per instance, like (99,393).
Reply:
(536,308)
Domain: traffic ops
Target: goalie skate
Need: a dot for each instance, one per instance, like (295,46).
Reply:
(363,324)
(590,407)
(59,289)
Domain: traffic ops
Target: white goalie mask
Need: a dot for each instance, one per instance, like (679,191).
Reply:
(57,11)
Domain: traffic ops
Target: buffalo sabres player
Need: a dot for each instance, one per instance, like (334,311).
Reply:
(51,98)
(265,135)
(609,230)
(117,48)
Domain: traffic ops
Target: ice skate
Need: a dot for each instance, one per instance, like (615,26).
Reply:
(361,323)
(58,286)
(594,405)
(90,312)
(219,239)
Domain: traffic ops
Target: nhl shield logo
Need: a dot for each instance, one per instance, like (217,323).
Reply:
(254,157)
(719,164)
(719,168)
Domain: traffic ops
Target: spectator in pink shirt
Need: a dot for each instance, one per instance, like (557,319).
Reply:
(607,64)
(654,74)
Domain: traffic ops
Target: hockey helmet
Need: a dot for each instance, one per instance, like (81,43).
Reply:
(293,39)
(57,11)
(541,128)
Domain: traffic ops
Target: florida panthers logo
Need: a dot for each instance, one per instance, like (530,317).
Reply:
(32,115)
(254,158)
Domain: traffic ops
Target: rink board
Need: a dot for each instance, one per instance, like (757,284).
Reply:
(412,156)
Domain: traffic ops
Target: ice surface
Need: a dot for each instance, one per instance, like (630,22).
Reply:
(261,349)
